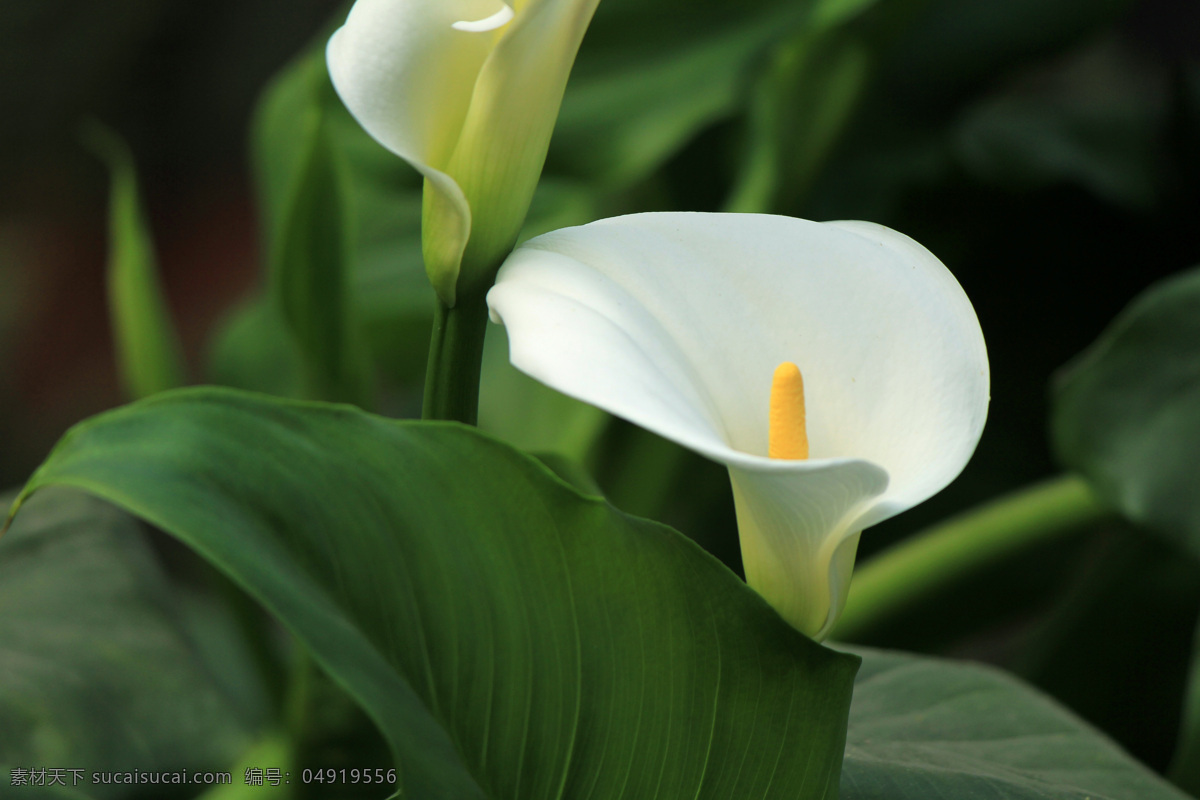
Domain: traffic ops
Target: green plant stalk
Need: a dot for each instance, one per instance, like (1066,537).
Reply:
(938,556)
(455,358)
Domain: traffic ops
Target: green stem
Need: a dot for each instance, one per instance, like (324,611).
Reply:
(925,563)
(455,357)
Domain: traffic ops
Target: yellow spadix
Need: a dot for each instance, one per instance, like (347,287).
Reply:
(787,437)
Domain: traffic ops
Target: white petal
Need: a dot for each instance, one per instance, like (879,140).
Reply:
(798,535)
(928,430)
(407,75)
(507,129)
(407,70)
(497,20)
(676,322)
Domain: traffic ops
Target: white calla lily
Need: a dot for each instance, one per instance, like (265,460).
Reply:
(467,91)
(677,322)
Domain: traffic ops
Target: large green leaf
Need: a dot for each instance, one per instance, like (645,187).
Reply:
(27,790)
(97,669)
(1126,413)
(926,729)
(828,13)
(511,637)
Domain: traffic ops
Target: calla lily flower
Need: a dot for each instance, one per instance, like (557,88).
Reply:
(467,91)
(679,322)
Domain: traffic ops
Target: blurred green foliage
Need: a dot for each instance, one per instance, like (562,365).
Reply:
(1127,411)
(149,355)
(94,632)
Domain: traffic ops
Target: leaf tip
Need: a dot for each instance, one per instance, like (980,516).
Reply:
(12,513)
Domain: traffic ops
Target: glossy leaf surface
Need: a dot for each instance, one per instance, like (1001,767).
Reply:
(511,637)
(927,729)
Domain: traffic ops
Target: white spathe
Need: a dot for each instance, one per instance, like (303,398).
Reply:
(677,321)
(467,91)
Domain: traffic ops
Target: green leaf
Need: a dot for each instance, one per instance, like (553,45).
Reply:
(379,191)
(310,259)
(149,355)
(926,729)
(511,637)
(99,671)
(391,299)
(1126,413)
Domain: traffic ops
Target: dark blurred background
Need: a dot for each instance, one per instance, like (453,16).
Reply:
(179,80)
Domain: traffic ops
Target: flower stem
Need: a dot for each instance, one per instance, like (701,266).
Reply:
(936,557)
(455,356)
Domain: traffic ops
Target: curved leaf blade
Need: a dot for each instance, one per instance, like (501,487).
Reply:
(1126,414)
(928,729)
(511,637)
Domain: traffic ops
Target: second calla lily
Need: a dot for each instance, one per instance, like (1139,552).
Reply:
(678,322)
(467,91)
